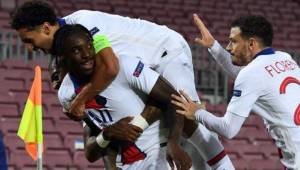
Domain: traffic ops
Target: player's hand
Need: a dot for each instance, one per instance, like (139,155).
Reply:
(176,155)
(77,109)
(186,105)
(122,130)
(205,39)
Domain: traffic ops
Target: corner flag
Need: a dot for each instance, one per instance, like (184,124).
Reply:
(31,129)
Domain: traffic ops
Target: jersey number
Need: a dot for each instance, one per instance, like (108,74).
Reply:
(282,90)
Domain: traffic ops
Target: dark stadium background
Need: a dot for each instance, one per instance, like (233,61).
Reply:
(252,149)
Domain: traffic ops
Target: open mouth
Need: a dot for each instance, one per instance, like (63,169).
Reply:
(87,65)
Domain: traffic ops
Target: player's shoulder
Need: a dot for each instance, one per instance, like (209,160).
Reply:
(66,87)
(250,73)
(81,14)
(283,54)
(66,80)
(128,61)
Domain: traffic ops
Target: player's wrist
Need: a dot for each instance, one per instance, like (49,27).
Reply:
(101,141)
(140,122)
(172,142)
(105,133)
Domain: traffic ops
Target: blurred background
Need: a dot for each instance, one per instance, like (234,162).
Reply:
(251,149)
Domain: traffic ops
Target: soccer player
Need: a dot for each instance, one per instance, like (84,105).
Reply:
(73,45)
(157,46)
(269,80)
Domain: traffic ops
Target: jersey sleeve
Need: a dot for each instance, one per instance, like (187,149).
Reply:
(227,126)
(139,75)
(92,20)
(247,88)
(223,58)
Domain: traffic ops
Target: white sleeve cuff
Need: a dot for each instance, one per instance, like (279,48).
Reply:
(140,122)
(101,141)
(227,126)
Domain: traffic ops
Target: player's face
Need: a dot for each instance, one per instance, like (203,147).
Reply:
(81,54)
(238,47)
(38,39)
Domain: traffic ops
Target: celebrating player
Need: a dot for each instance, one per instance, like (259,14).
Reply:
(269,80)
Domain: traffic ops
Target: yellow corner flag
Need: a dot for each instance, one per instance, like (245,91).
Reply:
(31,129)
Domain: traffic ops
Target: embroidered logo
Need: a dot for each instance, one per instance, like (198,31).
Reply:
(138,69)
(94,31)
(237,93)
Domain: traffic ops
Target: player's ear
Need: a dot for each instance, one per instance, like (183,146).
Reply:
(46,28)
(252,42)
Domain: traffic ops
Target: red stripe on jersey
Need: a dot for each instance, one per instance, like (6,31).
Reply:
(297,115)
(217,158)
(92,104)
(286,82)
(131,153)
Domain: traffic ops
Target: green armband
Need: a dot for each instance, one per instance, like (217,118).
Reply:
(100,42)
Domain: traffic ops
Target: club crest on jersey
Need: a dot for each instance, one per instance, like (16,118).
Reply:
(94,30)
(237,93)
(139,68)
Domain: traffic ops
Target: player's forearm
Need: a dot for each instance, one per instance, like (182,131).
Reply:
(227,126)
(151,112)
(92,150)
(161,94)
(175,123)
(103,75)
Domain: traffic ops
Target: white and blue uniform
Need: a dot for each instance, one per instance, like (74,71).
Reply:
(120,100)
(162,49)
(270,86)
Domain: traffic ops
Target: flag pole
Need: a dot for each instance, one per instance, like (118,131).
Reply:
(39,157)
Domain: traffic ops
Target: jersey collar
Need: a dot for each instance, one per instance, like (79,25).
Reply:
(61,22)
(77,82)
(266,51)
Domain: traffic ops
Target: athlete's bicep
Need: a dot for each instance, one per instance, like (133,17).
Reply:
(162,91)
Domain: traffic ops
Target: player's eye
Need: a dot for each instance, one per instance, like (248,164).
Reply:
(89,46)
(76,51)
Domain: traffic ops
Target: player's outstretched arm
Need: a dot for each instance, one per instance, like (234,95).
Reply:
(227,126)
(205,38)
(222,56)
(107,68)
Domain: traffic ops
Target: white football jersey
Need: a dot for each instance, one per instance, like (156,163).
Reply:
(120,99)
(129,36)
(272,82)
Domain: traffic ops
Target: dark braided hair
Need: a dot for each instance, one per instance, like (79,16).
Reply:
(63,33)
(59,45)
(32,14)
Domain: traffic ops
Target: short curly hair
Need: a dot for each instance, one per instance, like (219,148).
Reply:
(32,14)
(255,26)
